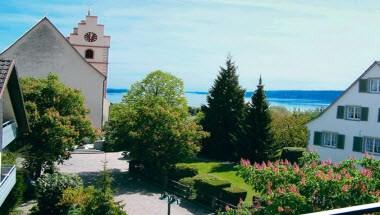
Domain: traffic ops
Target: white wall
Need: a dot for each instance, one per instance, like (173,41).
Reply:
(328,121)
(43,50)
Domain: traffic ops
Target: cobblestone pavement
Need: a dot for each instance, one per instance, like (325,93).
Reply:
(138,196)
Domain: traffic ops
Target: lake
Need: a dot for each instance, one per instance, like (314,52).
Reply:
(290,99)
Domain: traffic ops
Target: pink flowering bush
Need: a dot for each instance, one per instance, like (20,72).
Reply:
(287,188)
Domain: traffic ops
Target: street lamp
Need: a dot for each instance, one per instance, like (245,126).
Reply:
(170,198)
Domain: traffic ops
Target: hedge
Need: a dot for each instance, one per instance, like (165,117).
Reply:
(189,181)
(207,186)
(233,195)
(292,154)
(183,171)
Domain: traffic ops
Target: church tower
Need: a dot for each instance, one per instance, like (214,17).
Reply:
(89,40)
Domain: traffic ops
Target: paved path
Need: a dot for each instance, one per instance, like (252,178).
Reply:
(139,197)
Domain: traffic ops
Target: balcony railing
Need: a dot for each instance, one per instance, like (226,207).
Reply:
(7,181)
(9,133)
(354,210)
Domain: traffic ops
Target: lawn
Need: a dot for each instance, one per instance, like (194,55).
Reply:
(226,171)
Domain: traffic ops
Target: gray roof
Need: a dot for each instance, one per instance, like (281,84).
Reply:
(5,69)
(9,80)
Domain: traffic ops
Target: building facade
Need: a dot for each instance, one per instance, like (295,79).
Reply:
(350,126)
(43,50)
(89,40)
(13,119)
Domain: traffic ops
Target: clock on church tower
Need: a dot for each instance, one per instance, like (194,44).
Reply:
(89,40)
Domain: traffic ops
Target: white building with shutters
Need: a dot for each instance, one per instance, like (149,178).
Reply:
(350,126)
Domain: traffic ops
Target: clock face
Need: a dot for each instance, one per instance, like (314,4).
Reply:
(90,37)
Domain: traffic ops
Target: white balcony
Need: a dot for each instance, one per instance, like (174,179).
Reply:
(7,181)
(9,133)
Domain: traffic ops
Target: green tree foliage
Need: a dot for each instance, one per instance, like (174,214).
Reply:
(58,121)
(289,128)
(102,202)
(259,143)
(224,114)
(154,124)
(49,188)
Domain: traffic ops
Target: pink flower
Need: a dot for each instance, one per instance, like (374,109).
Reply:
(313,164)
(296,168)
(257,166)
(270,164)
(263,165)
(293,188)
(366,172)
(280,209)
(303,181)
(245,162)
(269,188)
(347,176)
(345,188)
(280,190)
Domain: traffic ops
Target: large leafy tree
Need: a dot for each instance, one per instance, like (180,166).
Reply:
(154,124)
(58,121)
(289,128)
(224,114)
(260,145)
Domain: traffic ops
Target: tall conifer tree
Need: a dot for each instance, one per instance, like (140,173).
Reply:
(259,142)
(224,114)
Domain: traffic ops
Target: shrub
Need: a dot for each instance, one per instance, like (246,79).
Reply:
(291,189)
(292,154)
(189,181)
(83,201)
(183,171)
(50,188)
(233,195)
(208,186)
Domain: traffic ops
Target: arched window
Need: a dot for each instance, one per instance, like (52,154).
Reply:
(89,54)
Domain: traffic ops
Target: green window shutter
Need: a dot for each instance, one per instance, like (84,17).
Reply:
(358,144)
(363,85)
(340,112)
(341,138)
(317,138)
(364,114)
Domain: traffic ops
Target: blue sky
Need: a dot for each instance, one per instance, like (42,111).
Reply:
(293,44)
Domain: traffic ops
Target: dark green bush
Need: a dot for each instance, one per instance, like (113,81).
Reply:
(189,181)
(233,195)
(50,187)
(208,186)
(292,154)
(183,171)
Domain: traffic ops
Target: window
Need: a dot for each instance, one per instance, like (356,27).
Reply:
(89,54)
(374,85)
(329,139)
(353,112)
(371,144)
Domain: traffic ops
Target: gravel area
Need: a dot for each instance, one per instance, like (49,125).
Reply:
(138,196)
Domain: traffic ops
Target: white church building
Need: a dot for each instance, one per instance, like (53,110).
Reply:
(80,60)
(350,126)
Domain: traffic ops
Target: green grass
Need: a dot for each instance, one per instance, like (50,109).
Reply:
(225,171)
